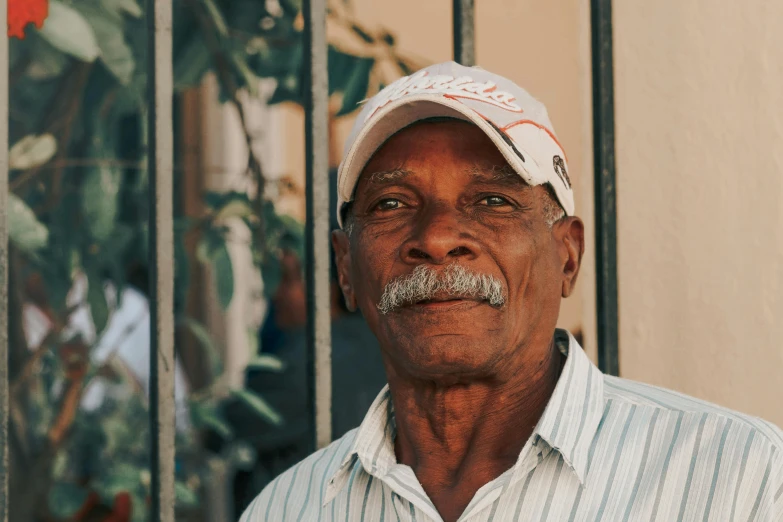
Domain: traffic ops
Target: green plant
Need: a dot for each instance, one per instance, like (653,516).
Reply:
(79,208)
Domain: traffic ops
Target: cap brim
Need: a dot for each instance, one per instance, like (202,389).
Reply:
(406,111)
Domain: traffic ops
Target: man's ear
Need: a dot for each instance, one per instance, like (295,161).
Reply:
(570,232)
(342,256)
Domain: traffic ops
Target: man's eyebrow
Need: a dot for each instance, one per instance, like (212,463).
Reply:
(504,174)
(388,176)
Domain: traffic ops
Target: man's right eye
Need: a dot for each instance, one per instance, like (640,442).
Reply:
(388,204)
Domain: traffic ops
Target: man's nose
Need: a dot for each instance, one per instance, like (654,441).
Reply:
(440,237)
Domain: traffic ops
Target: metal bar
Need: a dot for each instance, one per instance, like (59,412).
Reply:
(464,32)
(4,377)
(319,327)
(605,187)
(161,168)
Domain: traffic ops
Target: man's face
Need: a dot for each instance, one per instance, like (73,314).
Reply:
(440,194)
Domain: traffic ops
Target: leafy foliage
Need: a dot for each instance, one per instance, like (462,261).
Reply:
(80,205)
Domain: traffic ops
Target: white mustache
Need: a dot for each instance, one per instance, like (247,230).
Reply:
(454,282)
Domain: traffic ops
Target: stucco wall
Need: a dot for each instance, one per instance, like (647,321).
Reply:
(699,101)
(699,93)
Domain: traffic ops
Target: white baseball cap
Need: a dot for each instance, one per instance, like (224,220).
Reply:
(516,122)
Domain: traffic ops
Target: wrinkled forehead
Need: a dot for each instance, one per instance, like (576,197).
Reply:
(485,172)
(420,128)
(389,162)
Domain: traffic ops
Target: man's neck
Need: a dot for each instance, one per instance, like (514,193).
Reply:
(457,438)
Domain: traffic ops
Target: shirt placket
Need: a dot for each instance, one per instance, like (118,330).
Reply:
(406,511)
(410,499)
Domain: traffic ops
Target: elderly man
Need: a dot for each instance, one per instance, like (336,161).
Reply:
(458,241)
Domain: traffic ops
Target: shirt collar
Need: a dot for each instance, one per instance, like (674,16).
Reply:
(373,445)
(575,410)
(568,425)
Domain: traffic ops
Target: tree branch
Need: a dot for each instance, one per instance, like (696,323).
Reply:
(65,417)
(29,366)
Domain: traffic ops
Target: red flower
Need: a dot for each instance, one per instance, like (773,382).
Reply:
(23,12)
(122,509)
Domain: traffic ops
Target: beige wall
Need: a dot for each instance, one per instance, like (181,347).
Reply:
(536,44)
(699,100)
(699,92)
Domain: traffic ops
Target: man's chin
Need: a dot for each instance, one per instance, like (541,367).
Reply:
(434,355)
(453,323)
(448,371)
(442,341)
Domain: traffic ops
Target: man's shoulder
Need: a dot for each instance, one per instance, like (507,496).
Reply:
(680,404)
(301,487)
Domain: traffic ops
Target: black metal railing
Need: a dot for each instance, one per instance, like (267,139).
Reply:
(464,32)
(604,188)
(4,377)
(319,322)
(159,16)
(160,92)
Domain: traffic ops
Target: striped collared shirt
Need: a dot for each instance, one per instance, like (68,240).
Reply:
(605,449)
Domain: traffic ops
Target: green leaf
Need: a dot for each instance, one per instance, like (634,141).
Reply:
(214,199)
(291,7)
(60,465)
(356,88)
(47,62)
(96,297)
(120,477)
(40,410)
(207,416)
(68,31)
(293,237)
(253,340)
(204,338)
(24,229)
(224,275)
(129,7)
(143,243)
(191,62)
(204,250)
(259,405)
(341,67)
(250,79)
(266,362)
(32,151)
(241,455)
(272,274)
(66,499)
(181,269)
(217,17)
(208,245)
(121,238)
(289,81)
(100,189)
(234,208)
(115,52)
(184,496)
(289,89)
(218,200)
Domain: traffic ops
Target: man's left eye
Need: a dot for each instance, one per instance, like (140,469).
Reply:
(494,201)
